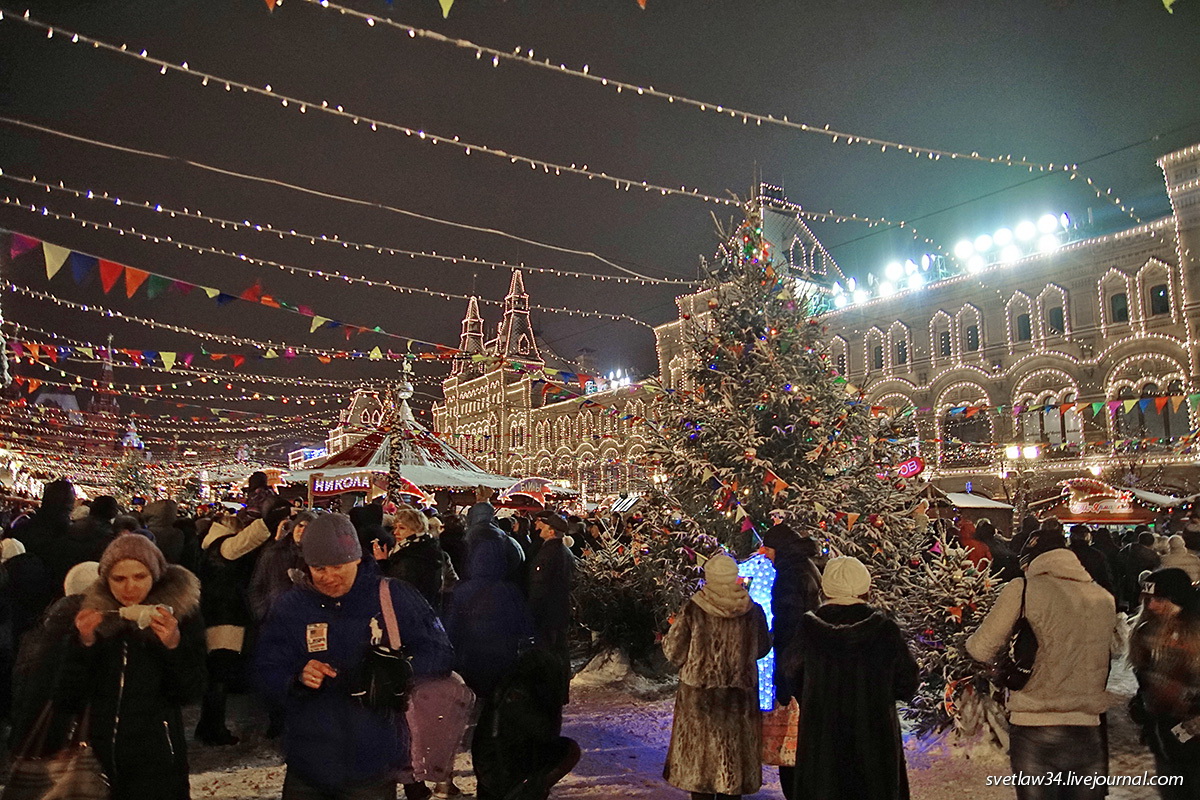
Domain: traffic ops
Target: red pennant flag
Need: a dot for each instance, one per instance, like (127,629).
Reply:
(134,278)
(270,4)
(267,300)
(1160,403)
(253,294)
(110,273)
(22,244)
(972,411)
(52,354)
(35,350)
(34,383)
(216,356)
(642,3)
(237,360)
(325,359)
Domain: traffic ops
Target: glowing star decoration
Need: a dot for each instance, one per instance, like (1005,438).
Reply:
(761,572)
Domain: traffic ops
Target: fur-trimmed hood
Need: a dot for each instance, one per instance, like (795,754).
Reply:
(178,588)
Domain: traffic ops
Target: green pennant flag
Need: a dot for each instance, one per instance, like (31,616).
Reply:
(156,285)
(1096,407)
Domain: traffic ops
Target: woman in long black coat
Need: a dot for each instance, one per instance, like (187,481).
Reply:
(136,657)
(849,664)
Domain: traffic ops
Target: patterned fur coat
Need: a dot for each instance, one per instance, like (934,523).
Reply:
(716,735)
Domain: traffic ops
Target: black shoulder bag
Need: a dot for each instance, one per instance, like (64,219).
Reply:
(1015,663)
(386,679)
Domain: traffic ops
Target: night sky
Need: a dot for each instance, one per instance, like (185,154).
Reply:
(1110,85)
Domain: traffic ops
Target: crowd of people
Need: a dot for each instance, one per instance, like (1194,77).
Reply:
(337,622)
(1087,599)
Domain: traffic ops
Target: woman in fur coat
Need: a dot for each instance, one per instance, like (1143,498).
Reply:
(848,665)
(716,735)
(136,657)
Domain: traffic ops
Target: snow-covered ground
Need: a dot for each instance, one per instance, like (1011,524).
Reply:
(624,730)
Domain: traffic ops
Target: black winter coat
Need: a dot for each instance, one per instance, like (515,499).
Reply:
(550,580)
(419,561)
(47,537)
(852,665)
(272,574)
(1096,565)
(136,688)
(796,591)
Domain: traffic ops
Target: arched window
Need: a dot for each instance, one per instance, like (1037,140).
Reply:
(1024,328)
(965,427)
(943,345)
(971,338)
(1118,308)
(899,338)
(901,354)
(875,356)
(1056,323)
(1160,300)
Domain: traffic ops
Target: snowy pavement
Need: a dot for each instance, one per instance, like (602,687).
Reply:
(624,739)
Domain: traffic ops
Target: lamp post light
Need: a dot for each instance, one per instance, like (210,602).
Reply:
(1019,462)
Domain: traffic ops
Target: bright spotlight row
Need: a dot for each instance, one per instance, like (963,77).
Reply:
(1002,244)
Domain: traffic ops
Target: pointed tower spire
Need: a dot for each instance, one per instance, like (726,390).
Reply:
(516,331)
(471,341)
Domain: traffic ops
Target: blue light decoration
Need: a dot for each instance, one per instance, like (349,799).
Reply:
(761,572)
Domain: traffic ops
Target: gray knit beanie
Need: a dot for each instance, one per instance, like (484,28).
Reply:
(330,539)
(138,548)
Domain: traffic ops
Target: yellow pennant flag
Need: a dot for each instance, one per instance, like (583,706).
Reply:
(1130,405)
(212,293)
(316,323)
(168,359)
(851,518)
(376,354)
(270,353)
(55,257)
(445,4)
(87,351)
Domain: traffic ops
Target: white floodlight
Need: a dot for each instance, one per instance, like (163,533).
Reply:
(983,243)
(1012,452)
(1026,231)
(839,301)
(1030,451)
(886,289)
(1048,243)
(860,296)
(1047,223)
(837,287)
(852,284)
(964,249)
(894,271)
(910,267)
(1010,253)
(976,263)
(926,261)
(1064,220)
(1002,237)
(915,281)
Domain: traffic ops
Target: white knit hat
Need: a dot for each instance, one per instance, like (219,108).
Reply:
(845,581)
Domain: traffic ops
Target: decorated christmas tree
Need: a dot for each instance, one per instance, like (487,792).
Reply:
(764,421)
(131,478)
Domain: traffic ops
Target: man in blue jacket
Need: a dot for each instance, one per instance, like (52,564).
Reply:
(309,659)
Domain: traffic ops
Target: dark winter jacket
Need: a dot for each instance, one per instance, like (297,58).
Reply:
(796,591)
(550,580)
(159,518)
(226,570)
(482,531)
(419,561)
(272,574)
(331,740)
(46,643)
(29,589)
(851,665)
(1096,565)
(488,621)
(136,687)
(368,523)
(48,537)
(454,544)
(1136,559)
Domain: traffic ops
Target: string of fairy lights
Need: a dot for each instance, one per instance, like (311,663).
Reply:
(525,57)
(292,269)
(339,110)
(334,239)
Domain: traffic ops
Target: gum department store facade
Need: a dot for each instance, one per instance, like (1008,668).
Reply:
(1110,318)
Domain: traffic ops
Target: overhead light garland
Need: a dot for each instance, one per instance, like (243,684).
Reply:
(526,57)
(334,239)
(295,270)
(337,110)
